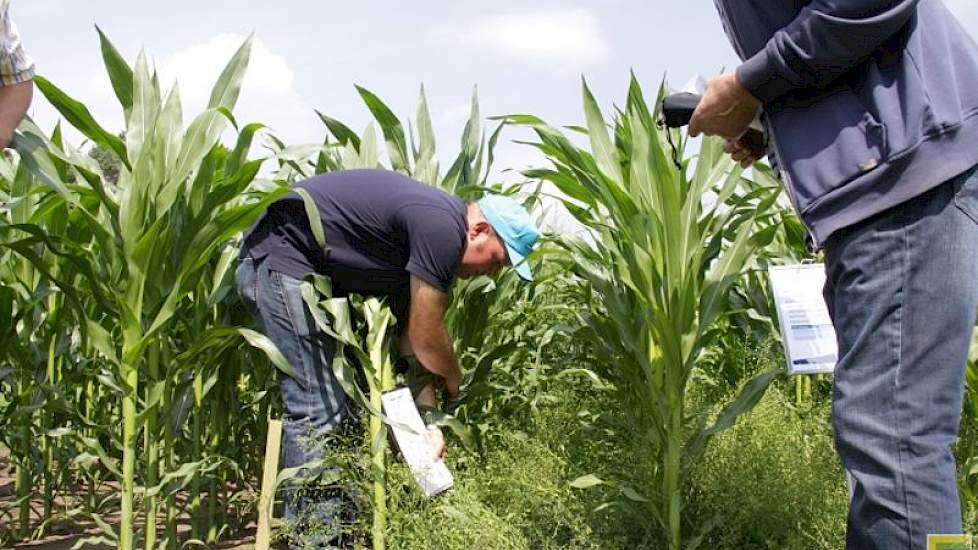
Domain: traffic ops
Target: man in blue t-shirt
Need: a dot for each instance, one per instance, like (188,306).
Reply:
(386,235)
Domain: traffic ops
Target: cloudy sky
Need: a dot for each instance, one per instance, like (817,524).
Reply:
(309,54)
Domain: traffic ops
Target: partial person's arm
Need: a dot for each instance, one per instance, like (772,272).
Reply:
(16,72)
(825,40)
(427,335)
(426,396)
(424,399)
(15,99)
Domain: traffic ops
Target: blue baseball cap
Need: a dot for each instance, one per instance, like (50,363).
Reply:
(512,223)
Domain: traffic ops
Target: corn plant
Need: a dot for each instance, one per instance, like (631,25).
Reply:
(656,279)
(145,242)
(361,329)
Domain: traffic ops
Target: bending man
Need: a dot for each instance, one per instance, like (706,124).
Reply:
(387,235)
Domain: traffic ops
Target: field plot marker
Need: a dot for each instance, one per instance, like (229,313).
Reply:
(263,537)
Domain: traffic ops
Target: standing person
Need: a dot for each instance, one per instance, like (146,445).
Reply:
(16,77)
(386,235)
(871,109)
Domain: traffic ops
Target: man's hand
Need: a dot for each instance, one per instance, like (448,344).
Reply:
(726,110)
(436,440)
(453,384)
(745,151)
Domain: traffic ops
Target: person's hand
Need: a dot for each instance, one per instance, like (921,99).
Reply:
(436,440)
(726,110)
(452,385)
(6,136)
(745,151)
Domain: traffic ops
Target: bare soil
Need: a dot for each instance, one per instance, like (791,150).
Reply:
(64,533)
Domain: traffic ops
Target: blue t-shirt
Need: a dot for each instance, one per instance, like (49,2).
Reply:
(381,227)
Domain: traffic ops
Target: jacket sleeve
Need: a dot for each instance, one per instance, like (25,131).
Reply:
(825,40)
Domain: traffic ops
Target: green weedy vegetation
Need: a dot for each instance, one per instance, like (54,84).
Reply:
(967,445)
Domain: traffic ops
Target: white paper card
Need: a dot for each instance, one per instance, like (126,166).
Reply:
(432,475)
(806,328)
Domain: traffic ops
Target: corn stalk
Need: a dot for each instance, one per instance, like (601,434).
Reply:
(361,329)
(656,277)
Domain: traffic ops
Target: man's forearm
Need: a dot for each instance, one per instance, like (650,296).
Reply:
(824,41)
(434,350)
(15,99)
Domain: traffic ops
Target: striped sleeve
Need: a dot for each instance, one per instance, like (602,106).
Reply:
(15,65)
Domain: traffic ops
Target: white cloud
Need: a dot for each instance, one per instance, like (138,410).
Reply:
(569,39)
(454,116)
(267,93)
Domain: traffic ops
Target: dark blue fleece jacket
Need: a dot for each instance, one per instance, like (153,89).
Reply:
(868,103)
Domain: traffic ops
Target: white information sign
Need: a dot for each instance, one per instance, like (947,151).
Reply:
(432,475)
(806,328)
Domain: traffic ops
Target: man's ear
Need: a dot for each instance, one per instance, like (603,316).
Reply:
(480,227)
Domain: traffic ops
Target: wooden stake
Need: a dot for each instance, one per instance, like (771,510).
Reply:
(263,538)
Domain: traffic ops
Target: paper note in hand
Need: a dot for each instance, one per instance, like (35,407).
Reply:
(430,473)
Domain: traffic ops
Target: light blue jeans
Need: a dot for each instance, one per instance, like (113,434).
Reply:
(902,289)
(315,404)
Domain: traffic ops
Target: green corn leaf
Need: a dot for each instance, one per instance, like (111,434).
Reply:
(78,116)
(262,342)
(102,341)
(470,135)
(224,263)
(445,420)
(392,129)
(120,75)
(491,151)
(340,131)
(202,134)
(426,131)
(586,482)
(228,86)
(94,447)
(312,213)
(145,111)
(632,495)
(369,154)
(604,151)
(168,128)
(241,148)
(745,401)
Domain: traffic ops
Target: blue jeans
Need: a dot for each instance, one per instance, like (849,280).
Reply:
(902,289)
(315,404)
